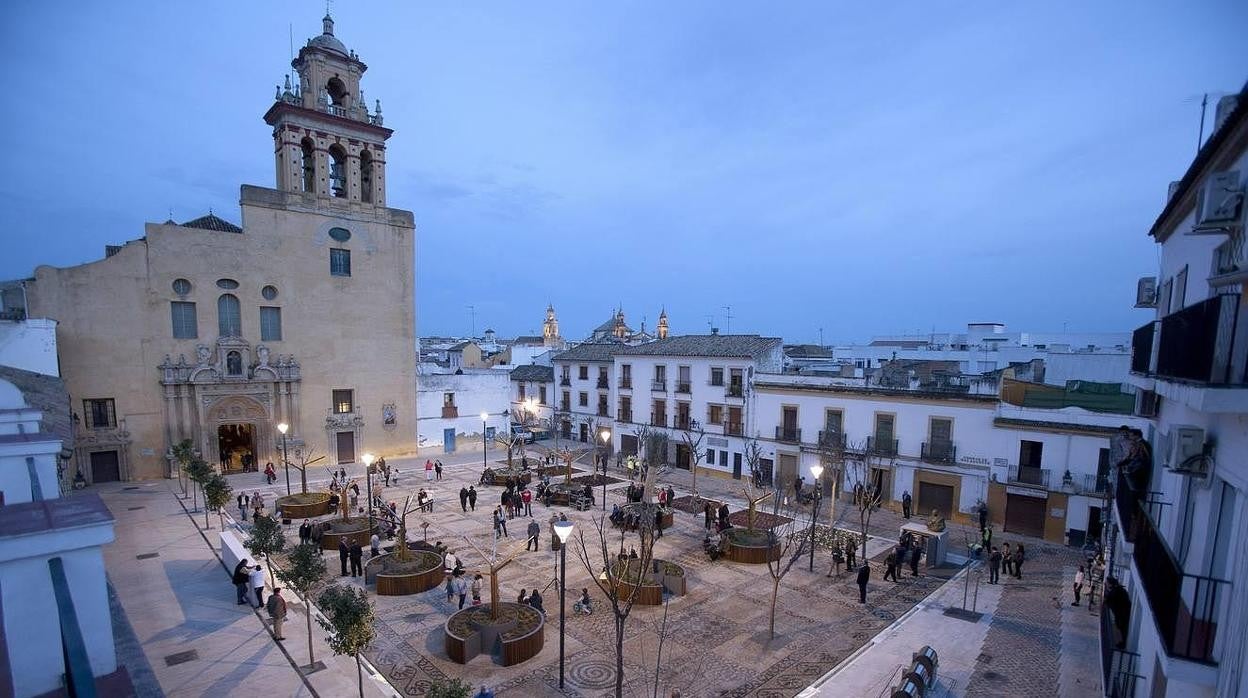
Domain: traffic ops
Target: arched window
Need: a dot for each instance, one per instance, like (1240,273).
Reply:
(337,92)
(229,317)
(337,171)
(309,164)
(234,364)
(366,176)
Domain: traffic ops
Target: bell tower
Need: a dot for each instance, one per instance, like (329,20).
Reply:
(550,328)
(325,141)
(662,330)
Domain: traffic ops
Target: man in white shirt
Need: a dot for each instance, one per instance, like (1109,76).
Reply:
(257,583)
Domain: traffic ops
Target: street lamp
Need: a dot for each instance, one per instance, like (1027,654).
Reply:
(815,470)
(368,459)
(563,529)
(484,444)
(605,434)
(283,428)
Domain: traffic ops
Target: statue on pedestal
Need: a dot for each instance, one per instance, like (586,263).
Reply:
(935,522)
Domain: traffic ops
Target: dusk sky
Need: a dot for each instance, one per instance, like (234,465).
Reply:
(864,168)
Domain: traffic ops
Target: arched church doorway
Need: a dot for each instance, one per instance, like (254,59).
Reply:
(237,445)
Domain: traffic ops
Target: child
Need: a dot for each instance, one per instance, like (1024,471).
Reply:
(583,605)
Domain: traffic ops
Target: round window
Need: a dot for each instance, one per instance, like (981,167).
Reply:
(269,292)
(181,287)
(340,234)
(227,284)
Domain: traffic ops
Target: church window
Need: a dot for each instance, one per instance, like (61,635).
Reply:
(308,150)
(269,292)
(185,325)
(100,413)
(366,177)
(339,262)
(337,171)
(229,317)
(339,234)
(344,401)
(182,287)
(227,284)
(234,364)
(270,324)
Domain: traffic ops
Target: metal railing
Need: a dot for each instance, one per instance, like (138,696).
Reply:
(626,382)
(658,385)
(603,384)
(832,439)
(683,387)
(881,447)
(679,422)
(734,390)
(733,428)
(1197,343)
(939,451)
(1027,475)
(1185,606)
(1142,347)
(565,380)
(658,420)
(626,416)
(789,434)
(603,411)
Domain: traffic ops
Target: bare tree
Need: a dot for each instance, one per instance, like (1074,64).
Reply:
(607,570)
(792,546)
(400,550)
(305,460)
(494,567)
(866,495)
(692,437)
(512,442)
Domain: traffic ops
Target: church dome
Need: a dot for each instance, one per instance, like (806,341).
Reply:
(327,40)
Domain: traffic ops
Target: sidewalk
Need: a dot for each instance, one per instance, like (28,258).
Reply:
(175,596)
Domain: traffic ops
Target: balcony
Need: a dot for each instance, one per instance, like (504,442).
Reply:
(734,390)
(733,428)
(1230,260)
(1142,348)
(450,412)
(565,380)
(658,419)
(1088,483)
(658,386)
(791,435)
(1028,475)
(625,416)
(1197,343)
(681,422)
(881,447)
(565,406)
(603,383)
(626,383)
(683,387)
(603,411)
(1119,666)
(939,451)
(1184,606)
(832,439)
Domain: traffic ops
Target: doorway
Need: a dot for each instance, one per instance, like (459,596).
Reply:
(736,466)
(237,446)
(1025,515)
(682,456)
(448,440)
(1094,524)
(105,467)
(936,497)
(788,468)
(346,447)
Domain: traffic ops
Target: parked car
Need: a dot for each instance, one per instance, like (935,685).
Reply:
(523,433)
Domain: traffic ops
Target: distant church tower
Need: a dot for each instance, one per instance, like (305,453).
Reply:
(326,142)
(619,330)
(662,330)
(550,329)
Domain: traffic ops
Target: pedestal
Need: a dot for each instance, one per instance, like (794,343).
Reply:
(935,544)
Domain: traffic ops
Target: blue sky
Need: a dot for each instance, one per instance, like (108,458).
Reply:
(862,168)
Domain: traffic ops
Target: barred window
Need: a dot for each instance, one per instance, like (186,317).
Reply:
(185,325)
(270,324)
(99,413)
(344,401)
(339,262)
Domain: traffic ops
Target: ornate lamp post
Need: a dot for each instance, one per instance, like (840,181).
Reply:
(563,529)
(484,444)
(283,428)
(368,459)
(815,470)
(605,435)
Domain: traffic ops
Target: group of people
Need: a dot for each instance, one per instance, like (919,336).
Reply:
(249,583)
(517,500)
(253,501)
(458,586)
(468,497)
(432,468)
(1011,560)
(908,549)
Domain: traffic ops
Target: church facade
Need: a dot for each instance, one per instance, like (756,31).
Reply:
(302,315)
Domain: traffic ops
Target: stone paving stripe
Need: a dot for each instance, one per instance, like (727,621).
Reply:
(146,556)
(181,657)
(135,508)
(963,614)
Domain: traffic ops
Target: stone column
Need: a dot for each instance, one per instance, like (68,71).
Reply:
(170,412)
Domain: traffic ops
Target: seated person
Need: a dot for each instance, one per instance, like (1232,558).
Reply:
(79,481)
(333,502)
(616,515)
(588,491)
(583,604)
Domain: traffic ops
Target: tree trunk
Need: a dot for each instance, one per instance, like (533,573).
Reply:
(194,497)
(619,657)
(307,602)
(359,672)
(775,592)
(303,479)
(206,524)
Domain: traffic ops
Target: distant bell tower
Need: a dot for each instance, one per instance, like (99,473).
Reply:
(662,330)
(550,328)
(620,329)
(326,142)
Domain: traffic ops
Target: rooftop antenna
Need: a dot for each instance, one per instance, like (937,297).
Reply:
(727,319)
(820,336)
(472,314)
(710,322)
(1200,136)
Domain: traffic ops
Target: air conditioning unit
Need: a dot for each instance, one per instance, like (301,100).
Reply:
(1186,449)
(1146,292)
(1147,403)
(1220,204)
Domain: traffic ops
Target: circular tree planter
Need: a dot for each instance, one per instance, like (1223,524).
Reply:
(498,476)
(422,571)
(353,531)
(303,505)
(513,637)
(663,575)
(751,547)
(646,512)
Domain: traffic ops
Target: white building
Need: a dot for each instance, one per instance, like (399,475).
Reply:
(533,390)
(451,404)
(585,390)
(54,614)
(1182,552)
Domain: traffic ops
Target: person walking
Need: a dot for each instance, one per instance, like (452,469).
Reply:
(987,538)
(708,516)
(983,517)
(385,470)
(658,522)
(914,560)
(472,497)
(437,469)
(305,532)
(1078,586)
(461,589)
(463,498)
(905,504)
(1007,560)
(864,576)
(277,611)
(257,584)
(500,522)
(851,557)
(257,504)
(240,578)
(526,496)
(315,536)
(357,556)
(374,544)
(1019,556)
(343,552)
(505,500)
(994,566)
(890,565)
(535,530)
(428,470)
(476,590)
(243,499)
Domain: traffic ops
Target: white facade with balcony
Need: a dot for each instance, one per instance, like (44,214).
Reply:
(1180,549)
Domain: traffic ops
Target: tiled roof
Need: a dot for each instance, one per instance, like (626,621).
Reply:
(807,351)
(77,510)
(533,372)
(591,351)
(749,346)
(529,339)
(1057,426)
(211,222)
